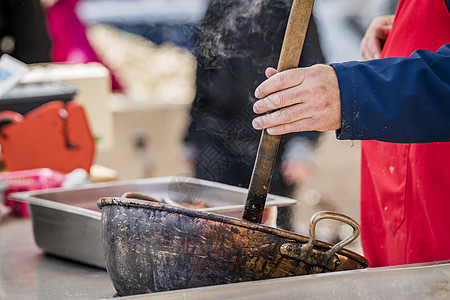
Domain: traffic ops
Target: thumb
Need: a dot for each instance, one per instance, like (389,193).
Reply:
(270,72)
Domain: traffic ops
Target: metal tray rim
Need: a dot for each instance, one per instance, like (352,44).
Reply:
(28,198)
(31,196)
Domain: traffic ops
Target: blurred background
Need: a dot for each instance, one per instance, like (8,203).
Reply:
(132,63)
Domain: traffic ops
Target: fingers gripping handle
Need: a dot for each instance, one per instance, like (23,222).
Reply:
(268,146)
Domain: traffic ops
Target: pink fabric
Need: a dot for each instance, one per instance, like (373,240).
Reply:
(68,35)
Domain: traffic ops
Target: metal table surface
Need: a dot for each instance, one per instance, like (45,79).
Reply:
(26,273)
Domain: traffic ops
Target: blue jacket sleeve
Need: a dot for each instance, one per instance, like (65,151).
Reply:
(398,99)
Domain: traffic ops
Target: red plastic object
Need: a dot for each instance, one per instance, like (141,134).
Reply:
(10,116)
(28,180)
(54,135)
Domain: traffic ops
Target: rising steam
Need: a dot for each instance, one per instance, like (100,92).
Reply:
(227,21)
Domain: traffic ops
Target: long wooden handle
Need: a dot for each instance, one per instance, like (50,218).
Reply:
(268,146)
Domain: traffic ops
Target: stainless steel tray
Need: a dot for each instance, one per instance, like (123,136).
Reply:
(66,222)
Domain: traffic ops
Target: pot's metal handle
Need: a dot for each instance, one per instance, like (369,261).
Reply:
(139,196)
(334,216)
(308,254)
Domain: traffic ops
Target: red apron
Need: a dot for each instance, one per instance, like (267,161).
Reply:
(405,188)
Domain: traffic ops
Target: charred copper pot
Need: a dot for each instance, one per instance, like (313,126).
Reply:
(152,247)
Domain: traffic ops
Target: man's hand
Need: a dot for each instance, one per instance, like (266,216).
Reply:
(305,99)
(375,36)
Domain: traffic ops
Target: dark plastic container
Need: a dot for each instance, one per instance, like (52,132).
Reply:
(26,97)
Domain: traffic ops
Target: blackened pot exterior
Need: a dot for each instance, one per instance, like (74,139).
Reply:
(151,247)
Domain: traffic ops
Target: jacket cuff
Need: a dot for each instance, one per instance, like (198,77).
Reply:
(347,88)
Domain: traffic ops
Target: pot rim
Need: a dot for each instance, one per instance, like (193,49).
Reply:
(129,202)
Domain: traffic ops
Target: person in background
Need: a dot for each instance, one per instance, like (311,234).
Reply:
(235,41)
(23,31)
(402,98)
(68,35)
